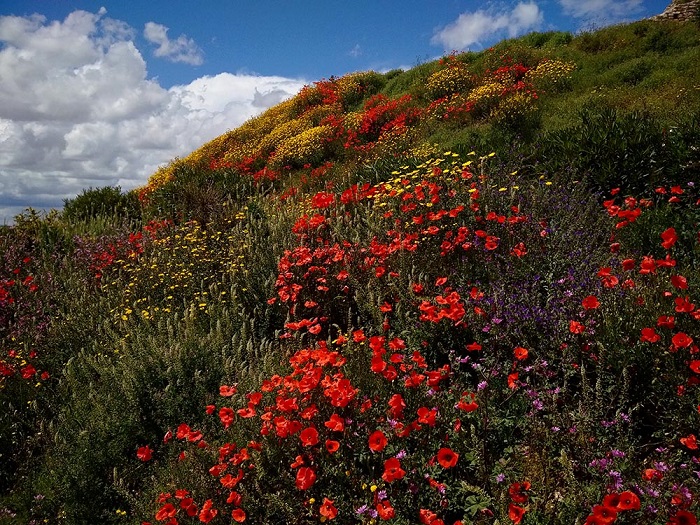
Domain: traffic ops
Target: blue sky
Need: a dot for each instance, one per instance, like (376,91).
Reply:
(101,93)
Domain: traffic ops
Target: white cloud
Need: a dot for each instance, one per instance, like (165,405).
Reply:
(473,28)
(604,10)
(181,50)
(78,110)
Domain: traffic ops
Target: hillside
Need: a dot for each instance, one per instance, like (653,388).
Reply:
(462,293)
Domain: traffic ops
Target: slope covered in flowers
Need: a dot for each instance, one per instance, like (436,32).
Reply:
(417,297)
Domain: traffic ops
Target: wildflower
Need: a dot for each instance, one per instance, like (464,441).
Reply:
(515,513)
(392,470)
(377,441)
(144,453)
(328,510)
(305,478)
(447,458)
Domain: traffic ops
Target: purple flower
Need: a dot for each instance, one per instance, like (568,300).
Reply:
(481,385)
(500,478)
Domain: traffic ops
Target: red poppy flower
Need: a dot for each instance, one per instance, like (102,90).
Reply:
(695,366)
(679,282)
(518,491)
(649,335)
(669,237)
(392,470)
(467,402)
(332,446)
(605,514)
(377,441)
(305,478)
(335,423)
(447,458)
(309,437)
(166,511)
(683,517)
(520,353)
(327,509)
(681,340)
(144,453)
(576,328)
(208,513)
(515,513)
(590,302)
(227,391)
(628,501)
(238,515)
(384,510)
(690,441)
(426,516)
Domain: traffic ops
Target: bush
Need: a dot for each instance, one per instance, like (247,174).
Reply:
(106,202)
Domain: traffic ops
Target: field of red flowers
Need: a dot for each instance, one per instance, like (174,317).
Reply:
(396,298)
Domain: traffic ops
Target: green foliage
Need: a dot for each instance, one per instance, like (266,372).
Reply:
(107,202)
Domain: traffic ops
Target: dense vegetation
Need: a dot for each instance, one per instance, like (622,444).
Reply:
(464,293)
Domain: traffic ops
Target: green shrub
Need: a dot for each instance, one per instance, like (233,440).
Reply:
(107,201)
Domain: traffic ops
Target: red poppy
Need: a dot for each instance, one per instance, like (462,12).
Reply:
(335,423)
(679,282)
(683,517)
(576,328)
(207,513)
(166,511)
(518,491)
(427,516)
(605,514)
(332,446)
(681,340)
(377,441)
(309,437)
(144,453)
(649,335)
(520,353)
(669,237)
(515,513)
(392,470)
(628,501)
(227,391)
(467,402)
(695,366)
(590,302)
(384,510)
(327,509)
(447,458)
(238,515)
(690,441)
(305,478)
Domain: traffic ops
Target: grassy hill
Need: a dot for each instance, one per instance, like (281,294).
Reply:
(462,293)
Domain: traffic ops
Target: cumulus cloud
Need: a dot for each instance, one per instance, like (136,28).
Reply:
(604,10)
(475,27)
(181,50)
(78,110)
